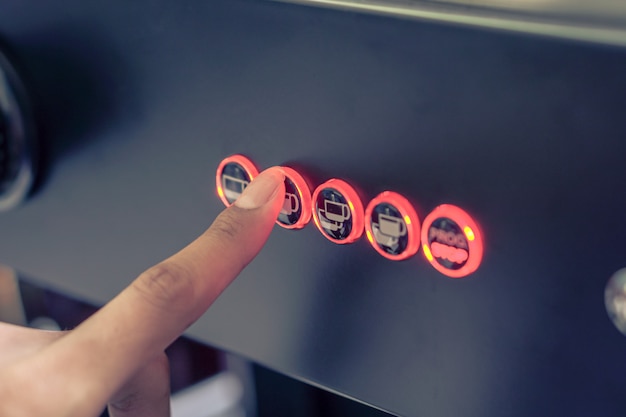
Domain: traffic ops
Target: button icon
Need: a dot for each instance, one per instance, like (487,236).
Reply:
(338,211)
(392,226)
(452,241)
(233,176)
(296,211)
(291,204)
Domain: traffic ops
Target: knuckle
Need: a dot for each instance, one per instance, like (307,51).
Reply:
(149,385)
(227,227)
(167,286)
(127,405)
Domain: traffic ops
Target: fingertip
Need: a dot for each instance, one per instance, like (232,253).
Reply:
(262,190)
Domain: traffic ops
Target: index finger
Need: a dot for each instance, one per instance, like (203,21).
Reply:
(162,302)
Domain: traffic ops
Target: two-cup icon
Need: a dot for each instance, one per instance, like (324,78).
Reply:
(334,215)
(290,205)
(233,186)
(338,211)
(388,230)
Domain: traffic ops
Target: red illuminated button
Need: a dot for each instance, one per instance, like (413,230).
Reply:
(296,211)
(392,226)
(452,241)
(338,211)
(233,176)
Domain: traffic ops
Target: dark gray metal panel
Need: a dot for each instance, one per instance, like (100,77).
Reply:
(139,103)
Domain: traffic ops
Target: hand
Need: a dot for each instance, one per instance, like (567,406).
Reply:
(116,356)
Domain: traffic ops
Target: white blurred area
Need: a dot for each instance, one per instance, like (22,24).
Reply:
(219,396)
(615,299)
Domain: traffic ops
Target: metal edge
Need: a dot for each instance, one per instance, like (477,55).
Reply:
(469,16)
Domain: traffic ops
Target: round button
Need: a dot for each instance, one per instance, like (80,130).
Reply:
(338,211)
(296,211)
(233,176)
(452,242)
(392,226)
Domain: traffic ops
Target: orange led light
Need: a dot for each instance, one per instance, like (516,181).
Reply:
(233,176)
(296,211)
(393,225)
(452,241)
(337,211)
(427,253)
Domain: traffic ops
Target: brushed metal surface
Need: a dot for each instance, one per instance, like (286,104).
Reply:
(139,102)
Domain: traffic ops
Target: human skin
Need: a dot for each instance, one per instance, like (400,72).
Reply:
(116,357)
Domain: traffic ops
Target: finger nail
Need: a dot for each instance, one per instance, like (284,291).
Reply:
(261,189)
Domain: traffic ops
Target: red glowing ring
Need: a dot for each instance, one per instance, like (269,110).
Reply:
(355,206)
(471,233)
(409,216)
(247,165)
(304,195)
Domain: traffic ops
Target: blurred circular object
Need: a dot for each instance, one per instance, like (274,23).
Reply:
(17,141)
(615,299)
(44,323)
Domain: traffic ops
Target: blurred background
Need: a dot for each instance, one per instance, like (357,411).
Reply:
(205,381)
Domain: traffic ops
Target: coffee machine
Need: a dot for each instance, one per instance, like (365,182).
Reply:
(511,112)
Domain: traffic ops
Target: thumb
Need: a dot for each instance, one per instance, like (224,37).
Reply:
(161,303)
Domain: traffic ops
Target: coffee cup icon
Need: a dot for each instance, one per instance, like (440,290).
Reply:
(334,215)
(233,186)
(291,204)
(391,226)
(388,230)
